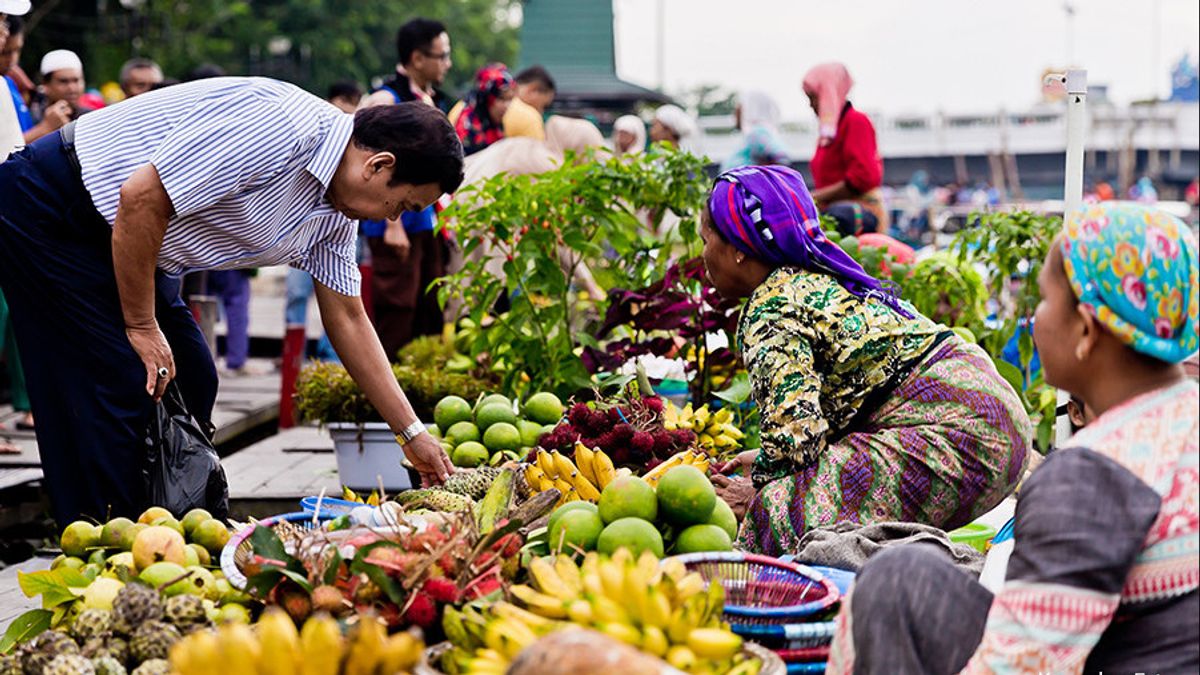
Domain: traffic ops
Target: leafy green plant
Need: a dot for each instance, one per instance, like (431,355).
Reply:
(1012,247)
(948,290)
(526,238)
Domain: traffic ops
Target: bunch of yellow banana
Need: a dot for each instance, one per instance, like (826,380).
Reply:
(687,457)
(713,430)
(660,608)
(352,496)
(274,647)
(582,479)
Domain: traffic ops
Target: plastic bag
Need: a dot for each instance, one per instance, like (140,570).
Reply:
(182,470)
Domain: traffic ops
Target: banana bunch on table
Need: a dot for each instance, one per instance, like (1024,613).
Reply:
(687,457)
(583,478)
(714,431)
(659,608)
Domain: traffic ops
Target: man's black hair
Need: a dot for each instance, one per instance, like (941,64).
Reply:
(167,82)
(426,147)
(345,89)
(416,35)
(537,74)
(16,25)
(203,72)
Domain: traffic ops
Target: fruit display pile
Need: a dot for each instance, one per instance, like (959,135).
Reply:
(491,432)
(682,514)
(435,548)
(628,428)
(659,608)
(581,479)
(275,647)
(122,593)
(715,432)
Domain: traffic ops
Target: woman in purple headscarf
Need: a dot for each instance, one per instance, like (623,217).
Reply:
(870,411)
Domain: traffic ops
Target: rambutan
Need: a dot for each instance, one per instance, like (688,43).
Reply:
(421,610)
(654,404)
(621,456)
(681,438)
(441,590)
(642,443)
(578,415)
(622,434)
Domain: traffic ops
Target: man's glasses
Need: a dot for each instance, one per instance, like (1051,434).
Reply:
(443,56)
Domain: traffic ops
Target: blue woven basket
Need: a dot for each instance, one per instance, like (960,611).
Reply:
(328,506)
(760,590)
(238,547)
(816,668)
(808,634)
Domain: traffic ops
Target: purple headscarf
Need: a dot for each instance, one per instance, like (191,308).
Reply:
(767,213)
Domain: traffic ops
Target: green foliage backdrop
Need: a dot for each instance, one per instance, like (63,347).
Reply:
(323,40)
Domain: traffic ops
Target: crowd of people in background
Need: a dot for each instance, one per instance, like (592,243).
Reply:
(503,120)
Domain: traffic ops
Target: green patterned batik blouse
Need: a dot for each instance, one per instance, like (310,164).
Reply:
(814,353)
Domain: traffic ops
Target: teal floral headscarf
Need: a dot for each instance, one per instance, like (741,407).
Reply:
(1135,268)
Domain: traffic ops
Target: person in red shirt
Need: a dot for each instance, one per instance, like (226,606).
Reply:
(846,169)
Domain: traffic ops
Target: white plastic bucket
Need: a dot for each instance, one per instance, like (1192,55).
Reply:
(368,455)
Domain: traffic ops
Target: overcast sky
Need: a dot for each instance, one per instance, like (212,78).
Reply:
(907,55)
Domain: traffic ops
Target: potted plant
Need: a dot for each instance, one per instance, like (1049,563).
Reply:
(368,455)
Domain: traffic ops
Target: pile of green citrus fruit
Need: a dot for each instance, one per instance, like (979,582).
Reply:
(492,432)
(682,515)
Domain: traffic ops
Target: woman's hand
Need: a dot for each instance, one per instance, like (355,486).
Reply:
(428,458)
(738,493)
(744,461)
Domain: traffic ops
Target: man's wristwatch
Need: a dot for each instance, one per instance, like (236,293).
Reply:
(410,432)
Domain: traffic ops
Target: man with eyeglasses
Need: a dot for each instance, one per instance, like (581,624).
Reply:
(406,254)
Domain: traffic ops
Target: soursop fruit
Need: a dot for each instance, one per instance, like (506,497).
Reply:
(107,645)
(134,605)
(435,499)
(91,623)
(153,667)
(69,664)
(152,640)
(472,483)
(107,665)
(185,612)
(40,651)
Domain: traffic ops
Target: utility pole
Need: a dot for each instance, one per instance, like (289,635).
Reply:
(660,7)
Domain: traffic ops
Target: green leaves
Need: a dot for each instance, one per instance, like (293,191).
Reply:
(531,239)
(25,627)
(57,587)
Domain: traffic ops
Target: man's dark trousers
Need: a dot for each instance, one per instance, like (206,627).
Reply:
(86,384)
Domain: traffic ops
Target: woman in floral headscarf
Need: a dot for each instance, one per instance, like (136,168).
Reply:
(1105,565)
(481,120)
(846,169)
(870,412)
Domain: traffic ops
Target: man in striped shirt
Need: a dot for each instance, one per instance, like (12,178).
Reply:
(99,221)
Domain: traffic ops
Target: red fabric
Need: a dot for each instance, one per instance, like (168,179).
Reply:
(852,155)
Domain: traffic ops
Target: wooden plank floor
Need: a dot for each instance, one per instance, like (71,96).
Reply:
(273,475)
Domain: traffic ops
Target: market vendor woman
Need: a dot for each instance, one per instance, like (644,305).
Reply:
(99,221)
(870,411)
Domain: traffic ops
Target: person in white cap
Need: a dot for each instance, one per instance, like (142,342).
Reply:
(675,127)
(62,87)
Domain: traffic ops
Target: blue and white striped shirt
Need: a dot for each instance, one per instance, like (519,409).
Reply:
(246,162)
